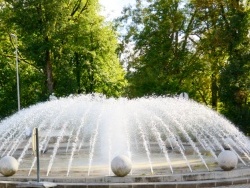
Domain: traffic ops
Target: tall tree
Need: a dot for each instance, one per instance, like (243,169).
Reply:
(65,48)
(50,28)
(94,59)
(8,88)
(197,46)
(235,77)
(163,62)
(38,23)
(225,42)
(209,28)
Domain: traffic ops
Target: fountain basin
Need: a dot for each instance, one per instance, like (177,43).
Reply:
(163,137)
(240,176)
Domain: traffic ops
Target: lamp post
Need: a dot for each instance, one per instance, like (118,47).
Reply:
(17,72)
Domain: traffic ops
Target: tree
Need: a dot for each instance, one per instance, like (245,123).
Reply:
(199,47)
(235,77)
(163,60)
(91,49)
(7,73)
(46,28)
(65,48)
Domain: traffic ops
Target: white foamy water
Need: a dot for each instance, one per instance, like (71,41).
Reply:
(86,132)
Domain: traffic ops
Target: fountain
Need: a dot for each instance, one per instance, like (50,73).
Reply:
(80,135)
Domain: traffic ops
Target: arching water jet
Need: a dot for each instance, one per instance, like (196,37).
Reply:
(82,134)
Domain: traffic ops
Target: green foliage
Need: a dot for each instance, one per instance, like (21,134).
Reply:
(64,47)
(7,85)
(199,47)
(161,61)
(235,77)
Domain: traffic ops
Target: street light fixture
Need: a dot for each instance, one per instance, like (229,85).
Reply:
(17,73)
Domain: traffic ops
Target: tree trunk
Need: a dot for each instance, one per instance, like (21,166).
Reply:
(78,73)
(48,71)
(214,90)
(90,88)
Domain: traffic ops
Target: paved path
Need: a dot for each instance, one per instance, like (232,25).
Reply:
(236,186)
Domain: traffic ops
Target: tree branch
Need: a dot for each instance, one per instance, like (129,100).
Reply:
(188,30)
(23,60)
(76,7)
(84,7)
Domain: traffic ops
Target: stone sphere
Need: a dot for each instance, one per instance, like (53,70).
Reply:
(8,166)
(28,132)
(171,143)
(121,165)
(227,160)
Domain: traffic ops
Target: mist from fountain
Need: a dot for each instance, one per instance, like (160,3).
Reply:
(90,130)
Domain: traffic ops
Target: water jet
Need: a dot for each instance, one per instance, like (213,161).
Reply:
(80,135)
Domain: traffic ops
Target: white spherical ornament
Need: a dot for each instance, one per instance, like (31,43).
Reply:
(8,166)
(171,143)
(121,165)
(227,160)
(28,132)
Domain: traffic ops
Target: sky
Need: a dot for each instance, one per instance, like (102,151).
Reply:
(113,8)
